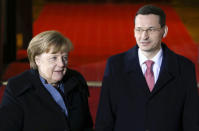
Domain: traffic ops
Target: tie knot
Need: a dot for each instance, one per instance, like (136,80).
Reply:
(149,63)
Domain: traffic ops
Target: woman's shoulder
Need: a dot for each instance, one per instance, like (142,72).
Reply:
(22,77)
(75,80)
(75,75)
(20,82)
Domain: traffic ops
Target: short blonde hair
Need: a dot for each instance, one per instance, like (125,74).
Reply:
(45,41)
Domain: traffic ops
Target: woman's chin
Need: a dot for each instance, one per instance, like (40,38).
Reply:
(57,79)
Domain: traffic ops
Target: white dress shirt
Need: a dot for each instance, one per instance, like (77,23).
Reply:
(157,59)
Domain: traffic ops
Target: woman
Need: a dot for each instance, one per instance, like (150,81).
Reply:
(49,96)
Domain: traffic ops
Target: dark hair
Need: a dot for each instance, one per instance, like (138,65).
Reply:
(151,9)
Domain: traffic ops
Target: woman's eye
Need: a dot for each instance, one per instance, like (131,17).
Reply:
(53,58)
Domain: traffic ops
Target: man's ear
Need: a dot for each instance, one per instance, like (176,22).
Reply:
(165,31)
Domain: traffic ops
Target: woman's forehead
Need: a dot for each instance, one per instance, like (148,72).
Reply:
(57,48)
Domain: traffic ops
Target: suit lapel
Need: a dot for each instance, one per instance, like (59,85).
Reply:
(131,60)
(168,70)
(134,72)
(164,78)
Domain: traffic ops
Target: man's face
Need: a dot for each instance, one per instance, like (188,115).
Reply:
(148,33)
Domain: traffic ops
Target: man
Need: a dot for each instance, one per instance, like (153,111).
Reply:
(149,87)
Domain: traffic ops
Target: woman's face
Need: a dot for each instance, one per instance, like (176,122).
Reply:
(52,66)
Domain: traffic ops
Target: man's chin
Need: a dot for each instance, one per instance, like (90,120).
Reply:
(145,49)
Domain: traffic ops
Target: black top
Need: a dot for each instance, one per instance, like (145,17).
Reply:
(28,106)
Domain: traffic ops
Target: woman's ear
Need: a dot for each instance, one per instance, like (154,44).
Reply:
(37,60)
(165,31)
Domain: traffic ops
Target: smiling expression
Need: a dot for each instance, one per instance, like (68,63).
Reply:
(52,66)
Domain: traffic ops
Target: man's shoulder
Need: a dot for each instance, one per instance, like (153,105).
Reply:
(175,56)
(180,58)
(121,57)
(185,62)
(122,62)
(117,57)
(184,59)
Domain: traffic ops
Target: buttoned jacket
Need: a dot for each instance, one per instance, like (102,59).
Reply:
(126,104)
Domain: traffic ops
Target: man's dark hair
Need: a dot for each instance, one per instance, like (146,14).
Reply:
(151,9)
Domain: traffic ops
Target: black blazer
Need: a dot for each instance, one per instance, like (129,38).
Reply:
(126,104)
(28,106)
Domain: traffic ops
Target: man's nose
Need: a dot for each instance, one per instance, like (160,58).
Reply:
(145,34)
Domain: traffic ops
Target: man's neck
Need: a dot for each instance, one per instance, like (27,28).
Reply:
(150,54)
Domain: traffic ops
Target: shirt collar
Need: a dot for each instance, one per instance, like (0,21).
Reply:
(44,82)
(157,58)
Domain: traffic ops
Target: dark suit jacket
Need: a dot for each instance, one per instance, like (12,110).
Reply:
(126,104)
(28,106)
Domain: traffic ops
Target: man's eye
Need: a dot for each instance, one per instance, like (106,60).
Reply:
(138,30)
(150,29)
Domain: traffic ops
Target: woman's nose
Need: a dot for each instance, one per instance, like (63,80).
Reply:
(61,62)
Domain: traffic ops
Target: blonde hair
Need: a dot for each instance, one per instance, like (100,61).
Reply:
(45,41)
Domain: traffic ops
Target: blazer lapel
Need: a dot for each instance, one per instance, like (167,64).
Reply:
(168,70)
(131,60)
(134,71)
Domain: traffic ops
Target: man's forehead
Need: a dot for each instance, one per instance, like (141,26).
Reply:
(149,20)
